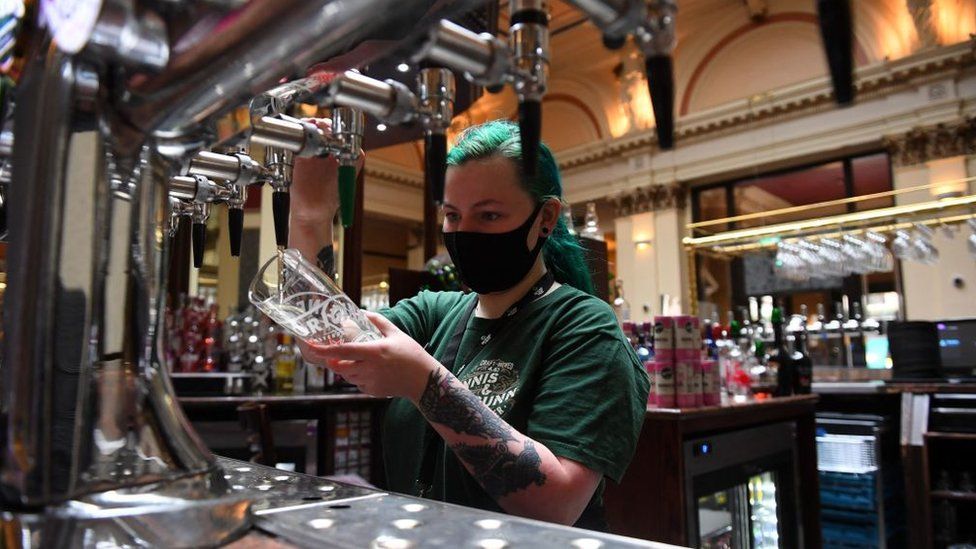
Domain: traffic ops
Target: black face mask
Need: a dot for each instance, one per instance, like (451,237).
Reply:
(494,262)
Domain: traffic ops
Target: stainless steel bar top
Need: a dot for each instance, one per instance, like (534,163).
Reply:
(316,512)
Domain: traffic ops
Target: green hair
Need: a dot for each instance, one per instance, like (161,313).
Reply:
(562,251)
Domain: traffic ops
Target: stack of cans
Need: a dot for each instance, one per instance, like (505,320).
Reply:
(680,377)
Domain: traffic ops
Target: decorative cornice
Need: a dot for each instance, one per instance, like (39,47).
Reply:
(784,103)
(393,173)
(649,199)
(933,142)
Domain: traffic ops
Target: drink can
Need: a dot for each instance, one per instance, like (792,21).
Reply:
(687,375)
(664,383)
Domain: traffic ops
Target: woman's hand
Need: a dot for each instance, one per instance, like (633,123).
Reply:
(393,366)
(314,187)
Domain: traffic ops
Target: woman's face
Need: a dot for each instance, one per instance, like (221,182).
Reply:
(484,196)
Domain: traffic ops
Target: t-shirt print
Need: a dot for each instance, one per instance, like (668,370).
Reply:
(494,382)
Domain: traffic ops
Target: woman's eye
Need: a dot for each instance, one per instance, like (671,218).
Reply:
(452,217)
(490,216)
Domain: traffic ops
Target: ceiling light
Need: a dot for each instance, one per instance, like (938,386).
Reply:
(381,127)
(403,67)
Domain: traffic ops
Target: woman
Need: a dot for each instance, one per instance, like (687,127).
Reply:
(519,397)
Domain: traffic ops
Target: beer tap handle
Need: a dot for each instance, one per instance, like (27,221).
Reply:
(235,227)
(281,209)
(199,232)
(435,160)
(660,84)
(347,194)
(530,130)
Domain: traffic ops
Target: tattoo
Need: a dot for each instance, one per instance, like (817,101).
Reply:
(498,470)
(325,260)
(458,408)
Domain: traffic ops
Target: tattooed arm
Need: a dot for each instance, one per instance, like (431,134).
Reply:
(522,475)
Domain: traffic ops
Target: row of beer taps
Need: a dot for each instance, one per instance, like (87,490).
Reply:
(223,177)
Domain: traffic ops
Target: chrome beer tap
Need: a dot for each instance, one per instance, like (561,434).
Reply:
(435,90)
(238,171)
(656,38)
(198,192)
(528,39)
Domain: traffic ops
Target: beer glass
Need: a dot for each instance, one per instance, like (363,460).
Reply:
(307,303)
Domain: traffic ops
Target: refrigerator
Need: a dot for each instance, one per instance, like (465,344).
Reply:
(741,489)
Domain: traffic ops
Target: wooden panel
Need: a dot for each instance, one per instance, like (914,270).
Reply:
(649,503)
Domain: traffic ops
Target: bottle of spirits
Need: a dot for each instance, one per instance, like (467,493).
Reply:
(853,332)
(780,361)
(838,340)
(284,365)
(801,363)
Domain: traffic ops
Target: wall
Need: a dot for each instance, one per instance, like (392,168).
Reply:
(929,290)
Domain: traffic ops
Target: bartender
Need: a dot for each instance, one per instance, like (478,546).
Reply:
(519,397)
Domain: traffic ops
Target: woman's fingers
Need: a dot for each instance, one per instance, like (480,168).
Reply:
(382,323)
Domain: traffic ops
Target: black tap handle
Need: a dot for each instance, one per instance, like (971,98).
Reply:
(3,223)
(660,82)
(281,209)
(199,237)
(530,128)
(837,31)
(235,224)
(435,164)
(347,194)
(614,42)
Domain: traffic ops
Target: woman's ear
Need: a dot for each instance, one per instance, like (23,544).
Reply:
(549,216)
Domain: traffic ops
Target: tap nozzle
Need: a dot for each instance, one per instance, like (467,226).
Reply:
(280,98)
(436,91)
(656,38)
(529,43)
(348,126)
(481,58)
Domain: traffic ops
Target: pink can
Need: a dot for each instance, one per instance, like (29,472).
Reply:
(664,384)
(664,338)
(650,367)
(687,386)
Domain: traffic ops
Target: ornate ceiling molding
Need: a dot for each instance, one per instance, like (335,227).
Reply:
(782,104)
(922,144)
(649,199)
(393,173)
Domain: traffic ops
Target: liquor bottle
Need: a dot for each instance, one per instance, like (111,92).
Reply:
(801,363)
(853,330)
(284,365)
(780,363)
(838,341)
(621,307)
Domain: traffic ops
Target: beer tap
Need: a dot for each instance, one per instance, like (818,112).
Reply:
(529,43)
(238,171)
(198,192)
(435,90)
(487,61)
(285,136)
(656,39)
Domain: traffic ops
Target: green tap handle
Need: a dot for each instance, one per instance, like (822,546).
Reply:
(347,194)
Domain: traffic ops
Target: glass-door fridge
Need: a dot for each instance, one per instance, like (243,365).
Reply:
(741,489)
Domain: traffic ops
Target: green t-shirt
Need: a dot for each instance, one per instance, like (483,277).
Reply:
(560,372)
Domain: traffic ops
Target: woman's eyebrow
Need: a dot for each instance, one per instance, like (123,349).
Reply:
(486,202)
